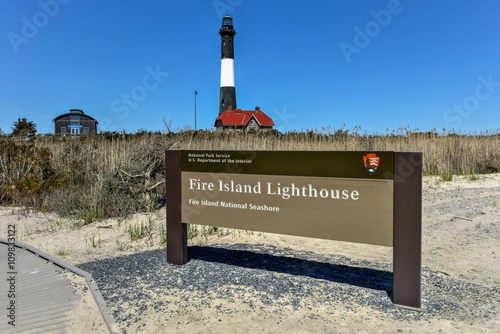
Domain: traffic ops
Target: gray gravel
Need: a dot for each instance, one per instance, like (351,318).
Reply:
(279,277)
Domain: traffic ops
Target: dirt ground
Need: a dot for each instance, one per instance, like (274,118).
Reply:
(460,239)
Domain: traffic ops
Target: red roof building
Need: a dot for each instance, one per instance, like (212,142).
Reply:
(244,120)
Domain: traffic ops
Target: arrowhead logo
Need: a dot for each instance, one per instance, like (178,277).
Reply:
(371,162)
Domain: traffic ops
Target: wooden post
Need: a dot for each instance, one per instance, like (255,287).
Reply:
(407,228)
(176,230)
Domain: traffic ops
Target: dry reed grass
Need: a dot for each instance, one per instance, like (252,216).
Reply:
(113,174)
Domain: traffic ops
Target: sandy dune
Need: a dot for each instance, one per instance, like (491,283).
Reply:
(461,233)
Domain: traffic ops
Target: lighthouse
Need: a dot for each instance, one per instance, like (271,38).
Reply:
(227,89)
(230,118)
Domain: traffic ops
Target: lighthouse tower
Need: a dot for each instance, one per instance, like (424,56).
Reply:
(227,89)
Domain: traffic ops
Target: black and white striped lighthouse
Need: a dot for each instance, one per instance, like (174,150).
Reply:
(227,89)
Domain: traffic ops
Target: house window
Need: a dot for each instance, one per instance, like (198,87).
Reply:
(63,131)
(86,130)
(75,120)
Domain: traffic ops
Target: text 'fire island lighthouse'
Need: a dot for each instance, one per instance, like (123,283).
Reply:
(230,118)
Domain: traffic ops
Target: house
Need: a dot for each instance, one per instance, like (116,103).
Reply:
(250,121)
(75,123)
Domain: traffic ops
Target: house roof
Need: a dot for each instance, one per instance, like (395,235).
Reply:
(240,117)
(77,112)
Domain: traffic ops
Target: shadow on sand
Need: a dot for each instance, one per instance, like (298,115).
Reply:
(350,273)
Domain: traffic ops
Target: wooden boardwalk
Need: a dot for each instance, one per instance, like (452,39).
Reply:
(47,295)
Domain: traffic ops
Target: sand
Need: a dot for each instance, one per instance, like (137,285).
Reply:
(461,240)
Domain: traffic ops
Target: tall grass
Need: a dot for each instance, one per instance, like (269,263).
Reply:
(90,177)
(111,174)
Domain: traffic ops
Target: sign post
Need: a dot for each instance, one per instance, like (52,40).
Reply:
(176,230)
(363,197)
(407,245)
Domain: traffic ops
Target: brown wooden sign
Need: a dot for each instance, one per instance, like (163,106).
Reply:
(364,197)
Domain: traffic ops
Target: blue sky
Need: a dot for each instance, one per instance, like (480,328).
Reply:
(307,64)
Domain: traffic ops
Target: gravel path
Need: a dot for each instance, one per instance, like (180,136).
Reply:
(274,279)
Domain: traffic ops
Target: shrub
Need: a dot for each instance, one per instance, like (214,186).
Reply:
(23,126)
(447,176)
(473,177)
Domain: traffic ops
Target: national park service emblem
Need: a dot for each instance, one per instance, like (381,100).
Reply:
(371,162)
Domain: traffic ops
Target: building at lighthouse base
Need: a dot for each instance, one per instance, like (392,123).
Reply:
(248,121)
